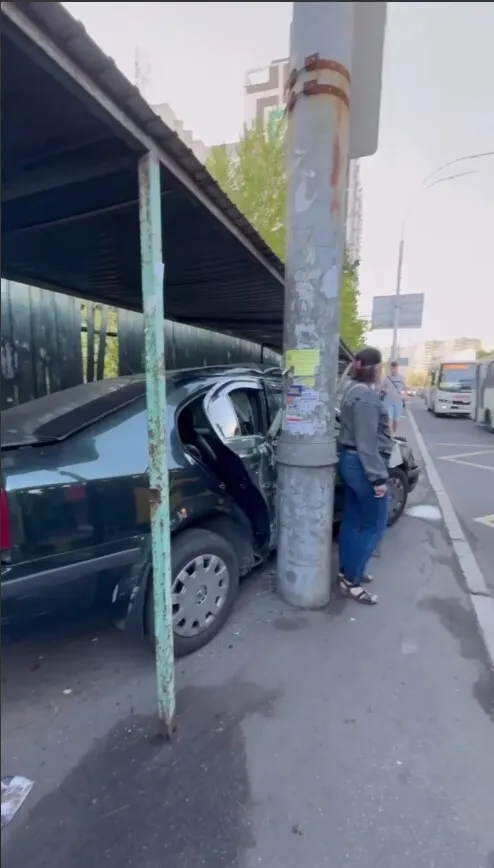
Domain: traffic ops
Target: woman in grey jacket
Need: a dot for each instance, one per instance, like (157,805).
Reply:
(365,446)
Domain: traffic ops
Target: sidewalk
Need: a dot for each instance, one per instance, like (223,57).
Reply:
(351,738)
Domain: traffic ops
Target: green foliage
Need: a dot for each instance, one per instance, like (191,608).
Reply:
(353,327)
(110,350)
(253,177)
(482,354)
(416,379)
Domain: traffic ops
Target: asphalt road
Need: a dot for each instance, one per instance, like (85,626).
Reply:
(464,457)
(355,737)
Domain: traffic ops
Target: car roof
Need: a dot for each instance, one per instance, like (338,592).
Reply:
(55,417)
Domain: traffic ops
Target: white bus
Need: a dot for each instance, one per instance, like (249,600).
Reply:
(482,410)
(449,388)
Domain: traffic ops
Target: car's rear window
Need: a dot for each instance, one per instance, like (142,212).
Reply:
(57,416)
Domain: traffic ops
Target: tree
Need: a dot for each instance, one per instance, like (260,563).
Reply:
(481,354)
(252,174)
(416,378)
(253,177)
(353,327)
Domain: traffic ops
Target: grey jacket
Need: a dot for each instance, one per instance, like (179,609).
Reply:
(364,426)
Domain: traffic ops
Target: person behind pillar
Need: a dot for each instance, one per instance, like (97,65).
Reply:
(365,444)
(394,386)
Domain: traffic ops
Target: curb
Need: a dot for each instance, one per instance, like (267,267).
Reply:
(480,596)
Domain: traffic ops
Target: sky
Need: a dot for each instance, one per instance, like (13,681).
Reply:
(437,105)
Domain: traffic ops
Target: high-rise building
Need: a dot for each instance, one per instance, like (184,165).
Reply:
(264,103)
(198,148)
(420,357)
(436,350)
(264,100)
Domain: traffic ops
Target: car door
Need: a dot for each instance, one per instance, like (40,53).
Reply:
(236,412)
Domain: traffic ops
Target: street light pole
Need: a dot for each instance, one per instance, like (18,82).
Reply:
(317,159)
(396,312)
(426,184)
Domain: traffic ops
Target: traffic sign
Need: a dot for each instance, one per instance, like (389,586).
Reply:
(366,73)
(410,311)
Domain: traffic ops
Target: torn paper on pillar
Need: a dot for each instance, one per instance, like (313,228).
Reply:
(300,413)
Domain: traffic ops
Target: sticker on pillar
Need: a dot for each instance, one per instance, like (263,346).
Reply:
(301,405)
(303,364)
(159,272)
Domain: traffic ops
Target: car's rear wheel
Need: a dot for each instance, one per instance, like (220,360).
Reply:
(489,422)
(398,494)
(205,578)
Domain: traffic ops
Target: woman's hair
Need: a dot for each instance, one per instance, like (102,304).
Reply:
(365,364)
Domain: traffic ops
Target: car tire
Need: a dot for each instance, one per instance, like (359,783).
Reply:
(187,547)
(489,422)
(398,478)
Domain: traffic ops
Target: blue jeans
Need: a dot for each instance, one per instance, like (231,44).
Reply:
(364,519)
(395,410)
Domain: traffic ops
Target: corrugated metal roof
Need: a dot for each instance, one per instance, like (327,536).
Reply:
(82,236)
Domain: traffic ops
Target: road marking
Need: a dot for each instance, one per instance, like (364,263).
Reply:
(488,520)
(480,595)
(467,463)
(469,454)
(458,459)
(488,448)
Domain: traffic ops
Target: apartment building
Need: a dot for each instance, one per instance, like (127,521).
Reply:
(168,116)
(437,350)
(422,356)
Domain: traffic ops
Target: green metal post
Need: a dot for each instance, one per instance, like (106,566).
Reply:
(152,270)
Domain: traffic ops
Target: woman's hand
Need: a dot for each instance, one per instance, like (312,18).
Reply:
(380,490)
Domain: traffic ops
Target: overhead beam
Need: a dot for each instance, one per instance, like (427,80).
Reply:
(72,218)
(48,177)
(79,216)
(231,322)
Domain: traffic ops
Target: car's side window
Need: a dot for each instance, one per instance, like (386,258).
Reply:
(237,414)
(248,409)
(222,414)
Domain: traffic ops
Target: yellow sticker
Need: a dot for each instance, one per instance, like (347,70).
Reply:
(303,363)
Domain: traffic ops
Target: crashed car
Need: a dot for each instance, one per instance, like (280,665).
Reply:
(75,498)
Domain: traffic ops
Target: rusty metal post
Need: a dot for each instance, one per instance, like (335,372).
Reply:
(154,344)
(317,158)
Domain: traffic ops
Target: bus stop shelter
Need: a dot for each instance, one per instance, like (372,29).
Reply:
(101,200)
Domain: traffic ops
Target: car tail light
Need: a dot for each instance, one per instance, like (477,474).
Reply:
(4,522)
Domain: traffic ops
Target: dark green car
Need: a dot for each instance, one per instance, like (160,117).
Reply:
(75,498)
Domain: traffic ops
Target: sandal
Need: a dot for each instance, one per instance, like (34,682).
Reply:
(365,580)
(357,593)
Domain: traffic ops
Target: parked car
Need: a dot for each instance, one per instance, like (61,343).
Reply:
(75,498)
